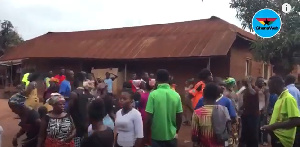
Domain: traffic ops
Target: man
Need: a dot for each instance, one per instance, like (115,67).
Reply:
(109,82)
(205,76)
(285,116)
(61,76)
(250,115)
(290,81)
(79,100)
(65,87)
(164,112)
(263,97)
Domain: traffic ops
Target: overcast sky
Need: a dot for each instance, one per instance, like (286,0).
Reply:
(33,18)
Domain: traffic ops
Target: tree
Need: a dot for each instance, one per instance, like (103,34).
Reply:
(9,37)
(282,50)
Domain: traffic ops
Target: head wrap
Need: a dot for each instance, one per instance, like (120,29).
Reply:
(55,97)
(230,82)
(17,100)
(54,80)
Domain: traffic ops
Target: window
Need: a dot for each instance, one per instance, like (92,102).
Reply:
(266,71)
(248,67)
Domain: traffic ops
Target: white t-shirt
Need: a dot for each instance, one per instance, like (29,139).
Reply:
(129,127)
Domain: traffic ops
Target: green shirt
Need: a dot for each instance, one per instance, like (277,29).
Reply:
(164,103)
(284,109)
(47,81)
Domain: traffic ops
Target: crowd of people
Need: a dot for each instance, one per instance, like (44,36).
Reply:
(79,110)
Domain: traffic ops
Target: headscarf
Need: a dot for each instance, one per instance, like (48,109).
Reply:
(230,82)
(54,80)
(17,100)
(55,97)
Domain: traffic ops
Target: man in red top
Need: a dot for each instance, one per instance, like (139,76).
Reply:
(61,76)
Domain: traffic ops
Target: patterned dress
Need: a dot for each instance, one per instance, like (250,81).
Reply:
(202,130)
(58,130)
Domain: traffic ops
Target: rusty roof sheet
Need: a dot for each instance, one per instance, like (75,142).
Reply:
(199,38)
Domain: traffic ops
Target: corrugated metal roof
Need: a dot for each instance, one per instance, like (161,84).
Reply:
(199,38)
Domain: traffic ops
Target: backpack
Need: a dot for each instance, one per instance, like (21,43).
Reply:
(220,123)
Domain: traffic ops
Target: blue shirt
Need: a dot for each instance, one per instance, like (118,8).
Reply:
(65,88)
(294,91)
(109,83)
(224,101)
(272,100)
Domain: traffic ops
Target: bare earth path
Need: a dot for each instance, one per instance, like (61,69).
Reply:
(10,126)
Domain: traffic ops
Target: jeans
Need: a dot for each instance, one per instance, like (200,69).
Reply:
(263,135)
(249,135)
(169,143)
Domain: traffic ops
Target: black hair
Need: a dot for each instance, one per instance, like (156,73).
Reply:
(290,79)
(211,91)
(278,80)
(96,110)
(33,77)
(135,96)
(42,110)
(127,85)
(259,78)
(78,79)
(204,74)
(163,76)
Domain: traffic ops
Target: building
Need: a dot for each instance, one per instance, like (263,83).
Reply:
(184,48)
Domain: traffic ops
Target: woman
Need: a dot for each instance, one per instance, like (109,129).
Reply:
(31,92)
(142,107)
(57,128)
(203,132)
(129,124)
(30,121)
(101,135)
(53,88)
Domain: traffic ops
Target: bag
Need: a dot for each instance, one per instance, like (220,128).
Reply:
(220,119)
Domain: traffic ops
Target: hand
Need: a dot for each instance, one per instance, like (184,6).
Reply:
(176,136)
(15,141)
(267,128)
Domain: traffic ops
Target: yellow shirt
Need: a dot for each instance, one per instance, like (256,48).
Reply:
(25,79)
(284,109)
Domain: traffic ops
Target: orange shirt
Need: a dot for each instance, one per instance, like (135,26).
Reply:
(197,94)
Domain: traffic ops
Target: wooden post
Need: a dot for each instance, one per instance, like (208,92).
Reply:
(125,73)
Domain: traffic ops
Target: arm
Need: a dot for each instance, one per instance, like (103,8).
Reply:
(251,89)
(73,133)
(267,98)
(115,76)
(138,130)
(292,122)
(149,110)
(42,133)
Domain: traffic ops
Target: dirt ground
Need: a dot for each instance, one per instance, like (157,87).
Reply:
(10,127)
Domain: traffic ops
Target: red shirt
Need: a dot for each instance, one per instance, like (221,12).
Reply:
(60,78)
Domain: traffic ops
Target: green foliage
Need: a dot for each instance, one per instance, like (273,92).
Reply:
(8,36)
(280,49)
